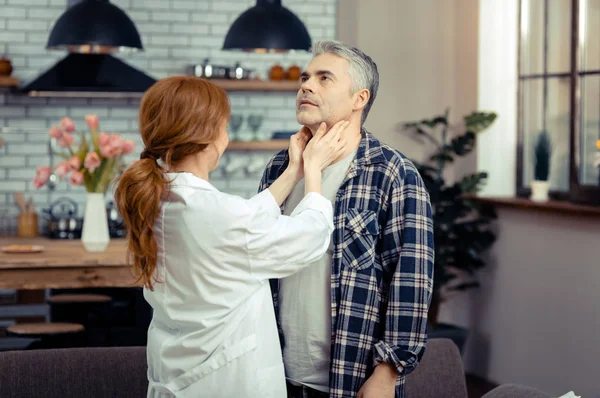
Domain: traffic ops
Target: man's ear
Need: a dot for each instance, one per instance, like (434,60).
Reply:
(361,98)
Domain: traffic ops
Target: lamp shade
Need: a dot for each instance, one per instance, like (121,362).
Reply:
(267,27)
(94,26)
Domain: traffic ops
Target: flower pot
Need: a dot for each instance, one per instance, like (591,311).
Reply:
(95,237)
(539,191)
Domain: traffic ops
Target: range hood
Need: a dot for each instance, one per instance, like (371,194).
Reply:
(91,31)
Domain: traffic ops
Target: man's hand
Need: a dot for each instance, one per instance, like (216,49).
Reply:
(381,384)
(297,145)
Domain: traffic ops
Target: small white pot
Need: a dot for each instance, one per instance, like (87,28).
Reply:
(539,191)
(95,236)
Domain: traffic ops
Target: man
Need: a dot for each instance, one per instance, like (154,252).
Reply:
(354,323)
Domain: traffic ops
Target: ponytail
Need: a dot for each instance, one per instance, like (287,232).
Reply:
(139,192)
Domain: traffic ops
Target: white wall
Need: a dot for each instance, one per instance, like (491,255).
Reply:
(426,52)
(535,319)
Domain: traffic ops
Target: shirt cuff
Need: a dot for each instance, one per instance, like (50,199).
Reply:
(403,361)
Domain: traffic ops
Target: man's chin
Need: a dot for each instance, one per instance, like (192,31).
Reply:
(310,122)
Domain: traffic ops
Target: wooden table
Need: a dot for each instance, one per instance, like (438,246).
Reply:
(64,264)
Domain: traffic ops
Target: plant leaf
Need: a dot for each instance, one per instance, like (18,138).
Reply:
(476,122)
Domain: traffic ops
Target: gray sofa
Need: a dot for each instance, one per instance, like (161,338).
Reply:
(117,372)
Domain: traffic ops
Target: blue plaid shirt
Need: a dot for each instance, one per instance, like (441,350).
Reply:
(382,268)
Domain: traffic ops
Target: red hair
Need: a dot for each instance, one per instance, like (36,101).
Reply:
(179,116)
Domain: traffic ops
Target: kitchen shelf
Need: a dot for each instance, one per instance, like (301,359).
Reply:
(257,85)
(86,94)
(271,145)
(226,84)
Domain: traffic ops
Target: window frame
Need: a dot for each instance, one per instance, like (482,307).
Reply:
(577,192)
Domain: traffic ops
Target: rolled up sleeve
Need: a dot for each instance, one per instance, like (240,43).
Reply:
(408,249)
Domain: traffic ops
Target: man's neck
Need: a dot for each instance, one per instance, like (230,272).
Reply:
(353,137)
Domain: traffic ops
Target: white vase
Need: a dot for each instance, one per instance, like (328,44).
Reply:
(95,237)
(539,191)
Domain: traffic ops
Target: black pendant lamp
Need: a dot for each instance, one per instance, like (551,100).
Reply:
(267,27)
(94,27)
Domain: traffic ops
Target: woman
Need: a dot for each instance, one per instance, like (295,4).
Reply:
(205,257)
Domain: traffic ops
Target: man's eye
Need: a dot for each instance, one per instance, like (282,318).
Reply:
(325,78)
(303,79)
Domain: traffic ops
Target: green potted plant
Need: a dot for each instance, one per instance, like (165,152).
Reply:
(541,170)
(462,226)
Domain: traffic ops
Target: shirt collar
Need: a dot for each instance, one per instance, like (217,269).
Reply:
(189,180)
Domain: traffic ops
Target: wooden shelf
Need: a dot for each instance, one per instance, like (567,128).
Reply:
(552,206)
(226,84)
(257,85)
(7,81)
(271,145)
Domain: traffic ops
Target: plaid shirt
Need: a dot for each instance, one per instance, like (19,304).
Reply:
(382,268)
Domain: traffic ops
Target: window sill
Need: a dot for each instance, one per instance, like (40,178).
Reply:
(552,206)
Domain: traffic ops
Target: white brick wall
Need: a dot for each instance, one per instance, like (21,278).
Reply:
(175,33)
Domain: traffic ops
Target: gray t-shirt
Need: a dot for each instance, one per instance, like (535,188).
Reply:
(305,300)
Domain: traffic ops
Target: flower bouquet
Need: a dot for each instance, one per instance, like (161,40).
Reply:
(94,162)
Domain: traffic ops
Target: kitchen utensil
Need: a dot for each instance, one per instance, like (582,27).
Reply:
(294,72)
(20,201)
(254,122)
(277,73)
(6,67)
(22,248)
(239,73)
(208,71)
(53,179)
(30,206)
(116,224)
(27,225)
(63,222)
(235,122)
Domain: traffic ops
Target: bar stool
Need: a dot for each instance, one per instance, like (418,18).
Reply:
(50,334)
(88,310)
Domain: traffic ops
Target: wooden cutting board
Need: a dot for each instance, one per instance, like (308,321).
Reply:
(7,81)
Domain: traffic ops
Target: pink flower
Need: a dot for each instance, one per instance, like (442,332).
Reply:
(127,147)
(55,132)
(103,139)
(91,161)
(116,140)
(37,183)
(111,145)
(109,151)
(66,140)
(62,169)
(74,163)
(67,124)
(92,121)
(76,178)
(42,173)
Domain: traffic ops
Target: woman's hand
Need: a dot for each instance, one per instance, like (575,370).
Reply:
(297,145)
(325,146)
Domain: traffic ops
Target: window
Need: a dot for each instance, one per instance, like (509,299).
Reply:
(559,93)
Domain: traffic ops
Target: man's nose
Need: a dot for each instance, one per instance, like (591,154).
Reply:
(307,85)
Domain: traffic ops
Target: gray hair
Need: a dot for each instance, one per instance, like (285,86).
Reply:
(363,70)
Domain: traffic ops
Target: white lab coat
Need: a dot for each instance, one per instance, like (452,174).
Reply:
(213,332)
